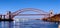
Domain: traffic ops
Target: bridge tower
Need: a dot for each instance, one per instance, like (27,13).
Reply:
(9,15)
(51,13)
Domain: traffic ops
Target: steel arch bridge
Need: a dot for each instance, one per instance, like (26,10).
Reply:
(16,13)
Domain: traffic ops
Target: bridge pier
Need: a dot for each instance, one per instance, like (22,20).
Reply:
(3,17)
(0,17)
(51,13)
(10,18)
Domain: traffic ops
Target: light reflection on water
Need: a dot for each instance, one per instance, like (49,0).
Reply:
(28,24)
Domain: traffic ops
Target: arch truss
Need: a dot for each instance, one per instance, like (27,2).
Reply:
(41,12)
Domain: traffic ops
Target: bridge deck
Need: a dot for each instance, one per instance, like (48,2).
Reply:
(32,14)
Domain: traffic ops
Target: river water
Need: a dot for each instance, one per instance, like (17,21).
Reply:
(28,24)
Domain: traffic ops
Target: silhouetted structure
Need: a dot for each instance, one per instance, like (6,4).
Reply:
(4,19)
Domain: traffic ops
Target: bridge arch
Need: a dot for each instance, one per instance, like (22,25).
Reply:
(28,9)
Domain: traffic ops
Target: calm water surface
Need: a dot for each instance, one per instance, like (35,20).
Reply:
(28,24)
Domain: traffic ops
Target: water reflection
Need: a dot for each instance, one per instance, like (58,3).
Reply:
(28,24)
